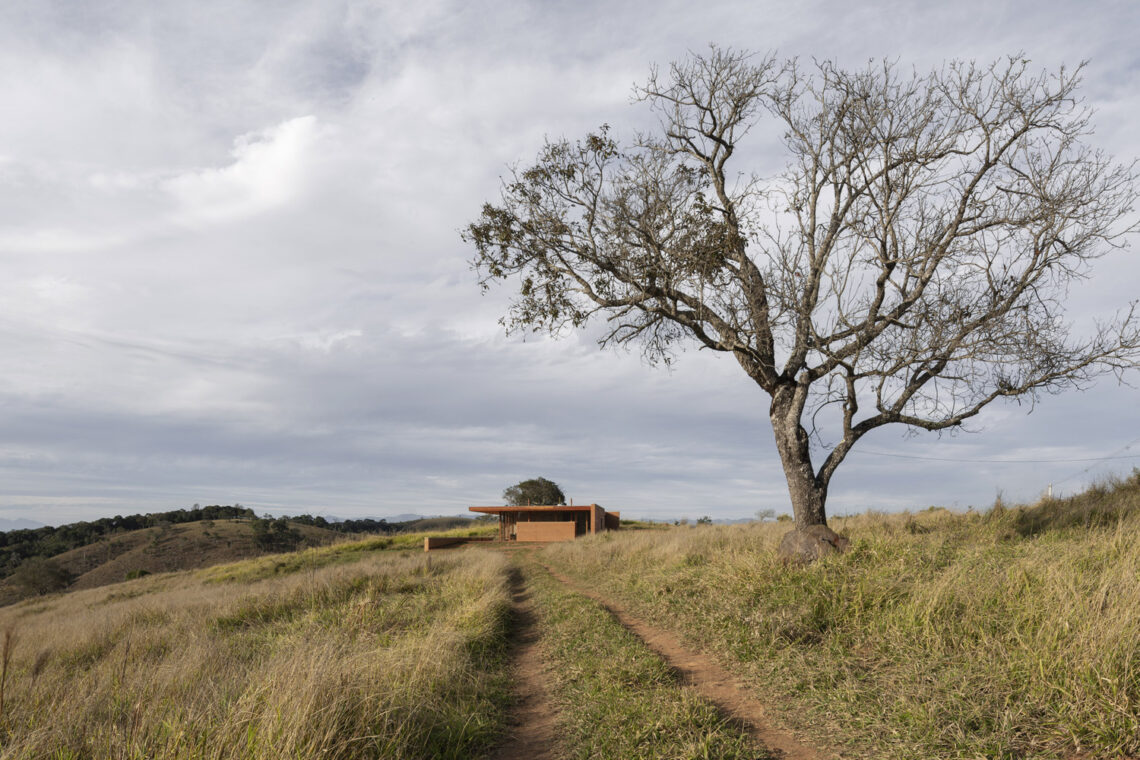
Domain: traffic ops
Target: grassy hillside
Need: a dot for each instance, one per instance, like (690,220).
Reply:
(1010,634)
(162,549)
(1014,634)
(360,649)
(341,652)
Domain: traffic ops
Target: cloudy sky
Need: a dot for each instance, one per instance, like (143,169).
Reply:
(233,273)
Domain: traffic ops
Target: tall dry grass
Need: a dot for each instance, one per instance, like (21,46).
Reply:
(936,635)
(389,656)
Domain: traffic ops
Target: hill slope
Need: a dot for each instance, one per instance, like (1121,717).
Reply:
(1010,634)
(377,654)
(185,546)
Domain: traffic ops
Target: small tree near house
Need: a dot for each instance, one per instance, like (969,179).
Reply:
(537,491)
(909,266)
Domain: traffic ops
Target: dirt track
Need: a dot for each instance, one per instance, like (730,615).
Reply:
(707,678)
(534,720)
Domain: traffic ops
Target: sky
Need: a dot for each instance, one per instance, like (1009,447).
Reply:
(232,269)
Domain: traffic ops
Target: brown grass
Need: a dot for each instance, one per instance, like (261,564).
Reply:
(163,549)
(387,656)
(936,635)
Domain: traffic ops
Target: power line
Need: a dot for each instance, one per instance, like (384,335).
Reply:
(998,461)
(1125,447)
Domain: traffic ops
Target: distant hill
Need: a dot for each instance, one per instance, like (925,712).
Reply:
(16,546)
(106,550)
(19,523)
(166,548)
(422,524)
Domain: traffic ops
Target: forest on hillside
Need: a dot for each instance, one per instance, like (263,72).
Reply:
(17,546)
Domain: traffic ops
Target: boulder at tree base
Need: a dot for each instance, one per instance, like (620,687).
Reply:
(810,543)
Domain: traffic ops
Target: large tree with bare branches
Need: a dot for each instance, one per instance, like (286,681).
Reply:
(909,265)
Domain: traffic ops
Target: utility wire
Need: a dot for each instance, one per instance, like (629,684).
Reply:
(1000,461)
(1125,447)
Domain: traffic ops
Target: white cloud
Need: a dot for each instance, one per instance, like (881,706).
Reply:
(288,318)
(269,171)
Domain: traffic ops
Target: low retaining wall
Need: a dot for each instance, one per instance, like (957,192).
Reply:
(441,542)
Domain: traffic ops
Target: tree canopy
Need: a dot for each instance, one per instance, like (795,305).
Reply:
(536,491)
(909,265)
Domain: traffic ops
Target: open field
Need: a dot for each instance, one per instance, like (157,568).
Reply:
(1009,635)
(393,655)
(208,543)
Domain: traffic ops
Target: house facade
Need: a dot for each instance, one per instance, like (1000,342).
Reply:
(551,523)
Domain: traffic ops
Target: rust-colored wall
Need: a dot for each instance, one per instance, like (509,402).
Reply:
(613,520)
(438,542)
(597,519)
(544,531)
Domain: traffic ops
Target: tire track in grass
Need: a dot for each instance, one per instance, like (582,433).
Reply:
(701,673)
(533,720)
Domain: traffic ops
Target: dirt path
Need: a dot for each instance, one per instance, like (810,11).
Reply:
(531,732)
(709,679)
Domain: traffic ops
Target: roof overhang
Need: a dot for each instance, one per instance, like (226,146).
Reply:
(564,508)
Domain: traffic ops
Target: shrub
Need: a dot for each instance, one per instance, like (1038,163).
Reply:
(38,575)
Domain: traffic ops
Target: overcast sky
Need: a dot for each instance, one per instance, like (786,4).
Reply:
(232,272)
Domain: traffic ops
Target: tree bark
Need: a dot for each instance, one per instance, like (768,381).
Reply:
(808,492)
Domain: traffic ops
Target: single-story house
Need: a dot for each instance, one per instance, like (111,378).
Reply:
(551,523)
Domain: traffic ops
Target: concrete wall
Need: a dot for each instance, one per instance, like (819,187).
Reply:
(544,531)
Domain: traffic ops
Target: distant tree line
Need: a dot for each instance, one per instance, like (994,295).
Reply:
(271,534)
(19,545)
(275,535)
(366,525)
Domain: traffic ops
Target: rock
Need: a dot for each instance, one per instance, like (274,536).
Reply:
(809,544)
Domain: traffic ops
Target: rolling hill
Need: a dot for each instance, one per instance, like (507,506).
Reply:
(166,548)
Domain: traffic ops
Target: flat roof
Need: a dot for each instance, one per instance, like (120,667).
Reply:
(554,508)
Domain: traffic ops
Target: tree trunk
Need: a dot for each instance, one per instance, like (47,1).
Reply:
(808,493)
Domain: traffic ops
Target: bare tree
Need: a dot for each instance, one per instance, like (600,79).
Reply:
(909,265)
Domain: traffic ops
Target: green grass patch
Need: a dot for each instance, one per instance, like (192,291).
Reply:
(272,565)
(936,635)
(618,699)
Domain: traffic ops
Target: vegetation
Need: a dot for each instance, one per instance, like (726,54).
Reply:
(1103,505)
(37,575)
(364,525)
(1012,634)
(323,556)
(112,534)
(1008,634)
(538,491)
(910,264)
(392,655)
(48,541)
(616,698)
(275,535)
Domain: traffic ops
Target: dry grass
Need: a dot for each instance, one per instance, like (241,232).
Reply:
(937,635)
(322,556)
(392,655)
